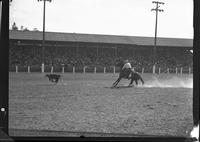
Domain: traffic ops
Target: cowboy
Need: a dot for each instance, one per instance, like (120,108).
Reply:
(127,68)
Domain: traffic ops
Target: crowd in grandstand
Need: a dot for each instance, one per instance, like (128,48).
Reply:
(31,56)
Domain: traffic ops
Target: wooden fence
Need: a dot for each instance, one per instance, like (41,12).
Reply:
(97,69)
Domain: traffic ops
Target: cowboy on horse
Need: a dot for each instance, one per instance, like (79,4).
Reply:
(127,72)
(127,68)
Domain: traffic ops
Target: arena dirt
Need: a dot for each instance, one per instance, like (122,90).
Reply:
(87,103)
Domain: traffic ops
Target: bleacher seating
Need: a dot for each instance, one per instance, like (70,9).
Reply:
(30,57)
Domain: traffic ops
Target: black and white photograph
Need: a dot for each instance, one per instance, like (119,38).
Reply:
(96,68)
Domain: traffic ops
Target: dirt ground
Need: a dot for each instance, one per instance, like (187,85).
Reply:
(87,103)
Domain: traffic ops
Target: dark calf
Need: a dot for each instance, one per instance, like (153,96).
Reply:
(53,77)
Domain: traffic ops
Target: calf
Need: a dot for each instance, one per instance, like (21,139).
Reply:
(53,77)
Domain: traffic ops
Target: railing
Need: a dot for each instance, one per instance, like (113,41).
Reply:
(98,69)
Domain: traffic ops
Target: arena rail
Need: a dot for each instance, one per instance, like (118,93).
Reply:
(97,69)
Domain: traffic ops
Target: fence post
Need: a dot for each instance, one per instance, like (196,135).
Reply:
(84,69)
(104,70)
(114,69)
(142,70)
(95,69)
(51,69)
(63,69)
(189,70)
(73,69)
(42,68)
(16,69)
(181,70)
(176,70)
(154,69)
(28,69)
(159,70)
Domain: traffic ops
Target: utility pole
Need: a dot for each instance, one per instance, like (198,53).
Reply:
(43,40)
(154,49)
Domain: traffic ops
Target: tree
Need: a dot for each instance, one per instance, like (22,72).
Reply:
(22,28)
(26,29)
(14,26)
(35,29)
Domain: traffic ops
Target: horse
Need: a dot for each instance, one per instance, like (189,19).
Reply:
(135,76)
(53,77)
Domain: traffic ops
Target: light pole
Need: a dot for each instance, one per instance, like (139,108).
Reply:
(43,39)
(154,49)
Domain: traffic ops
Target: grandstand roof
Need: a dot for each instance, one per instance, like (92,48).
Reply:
(114,39)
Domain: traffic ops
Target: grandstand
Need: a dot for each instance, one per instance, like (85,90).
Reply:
(97,51)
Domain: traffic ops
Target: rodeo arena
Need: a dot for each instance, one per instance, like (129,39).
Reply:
(75,91)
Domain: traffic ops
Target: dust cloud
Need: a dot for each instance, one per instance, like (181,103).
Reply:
(174,82)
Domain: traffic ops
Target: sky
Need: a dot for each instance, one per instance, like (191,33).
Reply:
(110,17)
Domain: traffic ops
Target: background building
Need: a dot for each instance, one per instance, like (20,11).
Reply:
(73,49)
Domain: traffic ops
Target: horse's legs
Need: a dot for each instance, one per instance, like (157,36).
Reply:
(116,82)
(136,82)
(131,81)
(142,80)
